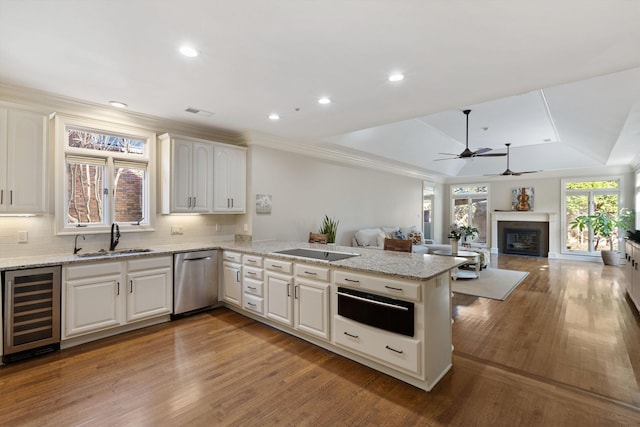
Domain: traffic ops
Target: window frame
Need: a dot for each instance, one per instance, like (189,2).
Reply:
(63,152)
(469,196)
(590,193)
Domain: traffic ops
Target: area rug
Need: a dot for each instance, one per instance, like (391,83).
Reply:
(491,283)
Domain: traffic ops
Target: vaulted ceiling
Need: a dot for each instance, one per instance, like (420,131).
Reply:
(559,81)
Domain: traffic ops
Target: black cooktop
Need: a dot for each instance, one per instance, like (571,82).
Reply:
(316,254)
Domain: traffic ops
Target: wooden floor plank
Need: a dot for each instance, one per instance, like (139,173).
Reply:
(563,349)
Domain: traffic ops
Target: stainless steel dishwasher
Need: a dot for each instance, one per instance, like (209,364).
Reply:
(195,281)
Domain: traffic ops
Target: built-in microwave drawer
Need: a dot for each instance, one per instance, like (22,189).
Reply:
(394,350)
(253,273)
(252,260)
(379,284)
(284,267)
(254,287)
(381,312)
(312,272)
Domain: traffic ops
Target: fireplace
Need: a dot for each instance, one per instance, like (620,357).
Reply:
(545,222)
(528,238)
(521,241)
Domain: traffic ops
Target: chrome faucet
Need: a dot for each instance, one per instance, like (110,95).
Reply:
(115,238)
(76,249)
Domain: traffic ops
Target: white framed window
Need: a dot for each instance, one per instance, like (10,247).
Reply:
(104,172)
(470,207)
(588,197)
(428,202)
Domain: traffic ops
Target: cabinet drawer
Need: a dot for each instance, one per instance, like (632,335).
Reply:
(254,304)
(252,260)
(253,287)
(312,272)
(232,256)
(92,270)
(253,273)
(382,285)
(150,263)
(390,349)
(279,266)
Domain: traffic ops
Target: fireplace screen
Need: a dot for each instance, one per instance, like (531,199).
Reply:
(521,241)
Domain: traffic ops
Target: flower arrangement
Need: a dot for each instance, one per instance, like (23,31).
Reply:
(455,231)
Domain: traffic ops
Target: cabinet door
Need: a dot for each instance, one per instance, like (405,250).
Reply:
(181,176)
(202,178)
(92,304)
(230,171)
(26,162)
(279,300)
(312,307)
(232,284)
(149,293)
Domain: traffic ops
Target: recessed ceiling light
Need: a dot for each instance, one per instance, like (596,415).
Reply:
(118,104)
(188,51)
(274,116)
(324,100)
(396,77)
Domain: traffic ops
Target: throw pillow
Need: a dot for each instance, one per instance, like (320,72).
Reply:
(400,235)
(416,238)
(367,237)
(390,231)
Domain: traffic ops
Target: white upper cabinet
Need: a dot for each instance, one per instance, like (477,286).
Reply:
(201,176)
(186,175)
(230,179)
(23,144)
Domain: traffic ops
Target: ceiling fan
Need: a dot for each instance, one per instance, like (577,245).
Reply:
(468,154)
(509,172)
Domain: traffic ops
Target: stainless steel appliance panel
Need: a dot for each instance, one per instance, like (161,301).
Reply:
(195,281)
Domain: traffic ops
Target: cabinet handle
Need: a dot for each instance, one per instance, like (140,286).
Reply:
(393,349)
(253,273)
(118,288)
(276,266)
(131,283)
(1,197)
(253,288)
(231,202)
(194,202)
(295,292)
(352,281)
(238,276)
(252,260)
(392,288)
(11,197)
(311,273)
(228,205)
(349,335)
(288,289)
(251,304)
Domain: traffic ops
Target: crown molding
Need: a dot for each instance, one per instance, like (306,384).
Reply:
(49,103)
(337,155)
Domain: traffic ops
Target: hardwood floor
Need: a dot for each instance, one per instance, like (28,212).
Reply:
(562,350)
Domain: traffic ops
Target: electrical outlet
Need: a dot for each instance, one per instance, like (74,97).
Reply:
(176,229)
(23,236)
(246,227)
(217,227)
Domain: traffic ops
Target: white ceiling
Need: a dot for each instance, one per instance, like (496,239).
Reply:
(559,80)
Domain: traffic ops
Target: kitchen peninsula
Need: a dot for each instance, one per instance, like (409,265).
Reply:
(390,311)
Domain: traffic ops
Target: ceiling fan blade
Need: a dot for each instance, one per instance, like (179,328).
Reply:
(449,154)
(482,150)
(491,155)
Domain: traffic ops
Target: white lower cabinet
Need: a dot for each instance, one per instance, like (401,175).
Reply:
(253,284)
(231,278)
(311,307)
(99,296)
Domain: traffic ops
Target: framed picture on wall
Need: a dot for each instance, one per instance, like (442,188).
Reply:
(522,199)
(263,204)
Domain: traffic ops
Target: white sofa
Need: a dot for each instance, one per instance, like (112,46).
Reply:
(374,238)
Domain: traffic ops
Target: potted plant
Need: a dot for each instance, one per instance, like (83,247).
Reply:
(329,227)
(604,226)
(469,233)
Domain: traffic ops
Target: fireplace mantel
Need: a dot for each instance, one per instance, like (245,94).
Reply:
(550,217)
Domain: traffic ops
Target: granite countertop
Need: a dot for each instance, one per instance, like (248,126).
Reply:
(398,264)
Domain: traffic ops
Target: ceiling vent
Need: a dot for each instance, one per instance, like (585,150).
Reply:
(202,113)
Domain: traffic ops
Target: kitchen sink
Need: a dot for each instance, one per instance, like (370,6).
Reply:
(103,253)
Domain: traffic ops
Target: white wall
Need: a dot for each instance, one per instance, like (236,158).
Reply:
(304,189)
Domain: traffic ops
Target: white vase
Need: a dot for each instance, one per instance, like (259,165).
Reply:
(454,246)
